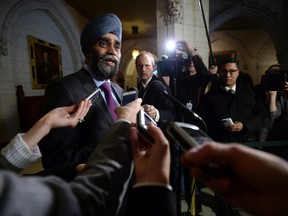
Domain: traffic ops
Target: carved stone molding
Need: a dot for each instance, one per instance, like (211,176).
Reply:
(3,47)
(175,12)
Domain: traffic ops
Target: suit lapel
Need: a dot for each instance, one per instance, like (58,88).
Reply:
(99,103)
(118,92)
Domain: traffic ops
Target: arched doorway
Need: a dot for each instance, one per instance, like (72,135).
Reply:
(263,43)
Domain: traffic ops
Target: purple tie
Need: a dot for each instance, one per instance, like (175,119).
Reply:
(109,99)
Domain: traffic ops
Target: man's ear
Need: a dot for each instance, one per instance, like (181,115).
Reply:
(89,54)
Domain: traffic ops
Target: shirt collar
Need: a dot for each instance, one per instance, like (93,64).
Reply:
(233,88)
(145,84)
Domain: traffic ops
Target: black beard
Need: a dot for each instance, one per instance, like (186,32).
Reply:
(101,69)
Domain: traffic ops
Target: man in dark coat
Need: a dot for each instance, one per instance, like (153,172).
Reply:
(101,45)
(233,97)
(151,90)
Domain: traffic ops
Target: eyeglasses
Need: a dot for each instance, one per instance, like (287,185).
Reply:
(231,72)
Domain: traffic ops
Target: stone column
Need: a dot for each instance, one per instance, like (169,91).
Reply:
(182,20)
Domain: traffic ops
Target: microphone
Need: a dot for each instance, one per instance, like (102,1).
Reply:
(133,89)
(161,89)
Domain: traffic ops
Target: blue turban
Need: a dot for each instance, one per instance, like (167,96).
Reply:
(99,26)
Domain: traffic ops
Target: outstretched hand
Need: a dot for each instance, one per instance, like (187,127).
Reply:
(152,163)
(259,180)
(59,117)
(68,116)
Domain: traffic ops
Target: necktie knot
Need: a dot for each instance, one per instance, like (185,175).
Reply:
(231,91)
(106,87)
(111,104)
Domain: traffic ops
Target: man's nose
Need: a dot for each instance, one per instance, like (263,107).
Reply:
(111,50)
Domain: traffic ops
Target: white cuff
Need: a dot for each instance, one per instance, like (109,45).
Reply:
(18,153)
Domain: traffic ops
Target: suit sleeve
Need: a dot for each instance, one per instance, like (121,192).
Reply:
(200,66)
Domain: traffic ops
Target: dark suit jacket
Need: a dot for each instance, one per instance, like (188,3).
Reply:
(152,96)
(74,145)
(218,104)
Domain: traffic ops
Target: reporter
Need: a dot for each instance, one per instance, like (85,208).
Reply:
(278,106)
(23,149)
(259,180)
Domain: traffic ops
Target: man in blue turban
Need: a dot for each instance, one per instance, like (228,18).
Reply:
(101,46)
(102,29)
(99,26)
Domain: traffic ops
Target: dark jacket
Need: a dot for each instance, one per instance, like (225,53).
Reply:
(153,95)
(242,106)
(74,145)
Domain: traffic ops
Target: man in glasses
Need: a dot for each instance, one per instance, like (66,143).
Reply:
(232,113)
(232,99)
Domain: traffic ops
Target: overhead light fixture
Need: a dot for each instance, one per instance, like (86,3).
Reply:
(135,52)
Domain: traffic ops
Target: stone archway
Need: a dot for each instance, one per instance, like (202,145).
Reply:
(272,24)
(21,8)
(15,64)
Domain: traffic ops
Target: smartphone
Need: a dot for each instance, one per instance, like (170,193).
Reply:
(227,122)
(91,96)
(143,119)
(128,97)
(186,135)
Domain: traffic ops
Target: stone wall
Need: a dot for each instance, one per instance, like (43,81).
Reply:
(51,21)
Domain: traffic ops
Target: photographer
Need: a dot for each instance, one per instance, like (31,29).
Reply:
(278,106)
(192,81)
(188,78)
(273,90)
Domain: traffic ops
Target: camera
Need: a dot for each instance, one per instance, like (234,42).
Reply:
(188,136)
(170,67)
(274,80)
(175,63)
